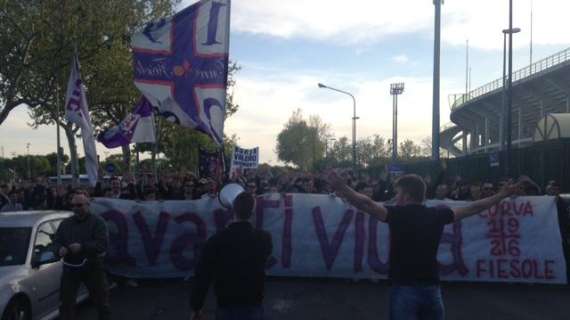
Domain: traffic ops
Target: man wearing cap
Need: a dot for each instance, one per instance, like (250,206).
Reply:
(82,240)
(234,261)
(4,191)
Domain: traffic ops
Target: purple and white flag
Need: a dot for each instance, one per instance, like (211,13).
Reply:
(181,65)
(77,112)
(137,127)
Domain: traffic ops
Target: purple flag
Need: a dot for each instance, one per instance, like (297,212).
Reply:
(137,127)
(181,65)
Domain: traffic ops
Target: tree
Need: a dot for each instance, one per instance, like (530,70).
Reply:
(371,150)
(41,38)
(52,159)
(302,143)
(409,150)
(26,167)
(341,152)
(18,35)
(426,148)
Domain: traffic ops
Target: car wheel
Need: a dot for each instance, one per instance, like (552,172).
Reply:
(16,310)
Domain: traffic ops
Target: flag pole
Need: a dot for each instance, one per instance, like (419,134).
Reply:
(137,162)
(156,150)
(227,75)
(58,152)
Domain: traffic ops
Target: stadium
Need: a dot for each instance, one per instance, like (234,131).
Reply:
(540,123)
(540,91)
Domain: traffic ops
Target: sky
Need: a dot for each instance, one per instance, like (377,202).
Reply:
(286,47)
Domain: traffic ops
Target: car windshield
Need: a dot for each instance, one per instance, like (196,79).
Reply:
(14,246)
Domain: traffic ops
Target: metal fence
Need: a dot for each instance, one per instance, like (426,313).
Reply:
(540,66)
(542,162)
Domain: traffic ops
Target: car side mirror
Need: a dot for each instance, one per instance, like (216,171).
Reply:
(45,257)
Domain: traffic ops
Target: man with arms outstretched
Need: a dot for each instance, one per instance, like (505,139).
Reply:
(415,234)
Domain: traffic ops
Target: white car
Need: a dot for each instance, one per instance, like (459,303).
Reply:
(30,273)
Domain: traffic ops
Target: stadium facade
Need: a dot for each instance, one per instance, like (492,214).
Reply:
(541,110)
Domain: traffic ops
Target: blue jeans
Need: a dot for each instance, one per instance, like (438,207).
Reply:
(416,303)
(240,313)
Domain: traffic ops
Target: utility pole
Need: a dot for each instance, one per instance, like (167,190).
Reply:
(28,161)
(509,94)
(466,71)
(436,79)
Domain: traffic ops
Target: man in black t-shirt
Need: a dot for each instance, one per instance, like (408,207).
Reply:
(415,232)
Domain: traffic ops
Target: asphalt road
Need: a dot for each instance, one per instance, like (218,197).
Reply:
(337,299)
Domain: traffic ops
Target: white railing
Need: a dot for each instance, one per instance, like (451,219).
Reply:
(539,66)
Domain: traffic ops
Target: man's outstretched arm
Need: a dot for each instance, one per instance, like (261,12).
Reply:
(484,204)
(360,201)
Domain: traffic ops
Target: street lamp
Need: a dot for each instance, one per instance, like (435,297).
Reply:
(28,161)
(509,94)
(396,89)
(503,125)
(354,118)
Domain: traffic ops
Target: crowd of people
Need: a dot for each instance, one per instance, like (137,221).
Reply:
(405,212)
(40,195)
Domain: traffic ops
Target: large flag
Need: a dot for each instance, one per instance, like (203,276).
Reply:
(77,111)
(181,65)
(137,127)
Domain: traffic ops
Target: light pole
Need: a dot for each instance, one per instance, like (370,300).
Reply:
(504,124)
(354,118)
(510,94)
(396,89)
(436,76)
(28,161)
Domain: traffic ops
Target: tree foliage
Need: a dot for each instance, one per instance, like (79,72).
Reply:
(17,167)
(301,142)
(39,39)
(409,150)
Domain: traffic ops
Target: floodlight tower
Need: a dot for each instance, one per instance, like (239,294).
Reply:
(396,89)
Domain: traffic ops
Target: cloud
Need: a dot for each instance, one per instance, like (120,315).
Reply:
(365,21)
(482,22)
(401,59)
(342,21)
(267,101)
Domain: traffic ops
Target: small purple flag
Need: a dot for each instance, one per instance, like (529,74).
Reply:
(137,127)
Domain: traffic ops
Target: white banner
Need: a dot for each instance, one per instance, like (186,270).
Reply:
(320,236)
(244,159)
(77,111)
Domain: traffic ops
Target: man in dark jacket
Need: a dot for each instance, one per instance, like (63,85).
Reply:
(82,240)
(4,191)
(234,260)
